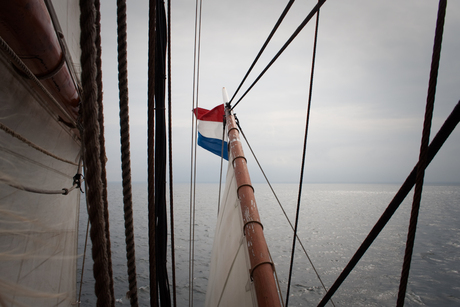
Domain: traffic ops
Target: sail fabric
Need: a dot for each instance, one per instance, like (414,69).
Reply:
(229,282)
(210,130)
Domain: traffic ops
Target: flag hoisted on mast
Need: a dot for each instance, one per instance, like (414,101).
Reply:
(210,130)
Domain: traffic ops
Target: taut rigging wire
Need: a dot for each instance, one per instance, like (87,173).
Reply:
(282,209)
(280,19)
(423,152)
(196,77)
(288,42)
(436,144)
(304,154)
(171,190)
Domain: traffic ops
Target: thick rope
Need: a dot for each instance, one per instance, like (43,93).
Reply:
(34,146)
(171,190)
(92,151)
(102,156)
(423,152)
(125,150)
(436,144)
(151,156)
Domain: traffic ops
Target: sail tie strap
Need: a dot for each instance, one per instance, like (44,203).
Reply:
(251,271)
(251,222)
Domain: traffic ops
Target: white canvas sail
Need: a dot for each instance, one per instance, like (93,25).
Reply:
(242,273)
(39,156)
(229,283)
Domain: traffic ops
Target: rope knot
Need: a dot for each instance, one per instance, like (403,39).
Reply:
(77,181)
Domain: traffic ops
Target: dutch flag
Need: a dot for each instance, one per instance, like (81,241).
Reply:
(210,129)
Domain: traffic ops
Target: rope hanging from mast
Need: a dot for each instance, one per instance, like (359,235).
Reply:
(95,176)
(125,150)
(159,285)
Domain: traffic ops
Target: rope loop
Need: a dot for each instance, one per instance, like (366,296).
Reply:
(250,222)
(251,271)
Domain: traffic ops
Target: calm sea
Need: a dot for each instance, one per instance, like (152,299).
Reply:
(334,220)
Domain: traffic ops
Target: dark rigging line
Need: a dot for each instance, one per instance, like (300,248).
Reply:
(304,154)
(196,75)
(443,134)
(275,28)
(171,191)
(288,42)
(423,152)
(282,209)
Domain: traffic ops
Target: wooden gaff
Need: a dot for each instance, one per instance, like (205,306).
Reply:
(262,268)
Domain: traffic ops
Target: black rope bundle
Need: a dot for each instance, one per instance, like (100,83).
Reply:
(157,156)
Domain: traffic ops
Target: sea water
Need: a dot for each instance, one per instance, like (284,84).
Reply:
(334,220)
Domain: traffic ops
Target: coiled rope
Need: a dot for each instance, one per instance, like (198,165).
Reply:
(125,150)
(423,152)
(93,153)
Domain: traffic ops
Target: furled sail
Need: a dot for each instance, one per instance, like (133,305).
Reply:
(229,282)
(242,273)
(39,155)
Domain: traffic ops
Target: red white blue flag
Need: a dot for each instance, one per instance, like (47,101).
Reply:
(210,130)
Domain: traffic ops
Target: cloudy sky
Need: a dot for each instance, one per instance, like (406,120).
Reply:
(370,85)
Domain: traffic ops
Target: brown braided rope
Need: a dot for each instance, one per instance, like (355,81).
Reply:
(423,157)
(102,153)
(33,145)
(125,150)
(91,132)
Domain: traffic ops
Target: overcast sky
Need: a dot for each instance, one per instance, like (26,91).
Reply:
(370,85)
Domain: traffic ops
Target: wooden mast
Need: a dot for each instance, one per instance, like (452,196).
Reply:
(262,268)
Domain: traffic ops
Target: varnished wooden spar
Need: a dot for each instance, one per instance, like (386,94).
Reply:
(27,28)
(262,269)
